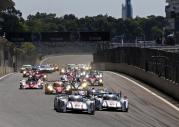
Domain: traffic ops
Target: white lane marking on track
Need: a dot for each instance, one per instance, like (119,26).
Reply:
(154,94)
(5,76)
(42,61)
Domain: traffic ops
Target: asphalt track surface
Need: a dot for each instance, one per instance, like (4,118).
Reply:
(32,108)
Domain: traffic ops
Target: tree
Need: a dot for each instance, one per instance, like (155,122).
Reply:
(42,22)
(157,34)
(29,48)
(13,21)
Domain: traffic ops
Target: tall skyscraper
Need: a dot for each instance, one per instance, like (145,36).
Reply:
(172,15)
(127,10)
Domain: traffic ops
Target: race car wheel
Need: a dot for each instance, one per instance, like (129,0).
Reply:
(40,87)
(64,110)
(92,112)
(100,108)
(101,84)
(21,87)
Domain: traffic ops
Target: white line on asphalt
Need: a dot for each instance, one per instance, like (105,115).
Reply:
(5,76)
(154,94)
(42,61)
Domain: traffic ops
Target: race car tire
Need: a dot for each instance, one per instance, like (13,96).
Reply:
(21,87)
(101,84)
(41,87)
(54,106)
(92,112)
(58,109)
(100,108)
(64,110)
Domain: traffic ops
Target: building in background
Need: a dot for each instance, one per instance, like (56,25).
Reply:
(127,10)
(172,15)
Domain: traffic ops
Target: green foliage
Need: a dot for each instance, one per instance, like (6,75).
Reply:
(28,49)
(129,28)
(151,27)
(13,21)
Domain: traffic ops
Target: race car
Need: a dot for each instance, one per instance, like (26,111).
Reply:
(40,75)
(94,80)
(56,67)
(112,101)
(25,68)
(54,88)
(31,84)
(46,68)
(65,103)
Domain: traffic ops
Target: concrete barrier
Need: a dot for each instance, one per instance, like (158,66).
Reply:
(165,86)
(5,70)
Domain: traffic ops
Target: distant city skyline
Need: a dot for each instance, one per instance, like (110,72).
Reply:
(81,8)
(127,10)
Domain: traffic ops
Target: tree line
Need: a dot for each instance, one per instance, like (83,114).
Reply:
(150,27)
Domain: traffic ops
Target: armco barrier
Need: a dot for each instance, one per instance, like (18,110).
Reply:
(161,84)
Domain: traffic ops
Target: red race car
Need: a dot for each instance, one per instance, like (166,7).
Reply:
(31,84)
(40,75)
(94,80)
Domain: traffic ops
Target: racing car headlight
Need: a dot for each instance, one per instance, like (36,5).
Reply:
(84,85)
(83,73)
(87,76)
(68,88)
(100,75)
(50,88)
(100,80)
(45,76)
(24,72)
(87,68)
(63,70)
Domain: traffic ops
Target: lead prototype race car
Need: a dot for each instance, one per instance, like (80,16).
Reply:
(64,103)
(31,84)
(113,101)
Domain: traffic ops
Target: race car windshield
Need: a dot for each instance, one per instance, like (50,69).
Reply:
(110,98)
(76,99)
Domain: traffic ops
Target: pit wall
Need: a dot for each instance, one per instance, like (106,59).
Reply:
(165,86)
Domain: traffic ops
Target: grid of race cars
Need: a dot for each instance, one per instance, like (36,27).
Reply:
(78,88)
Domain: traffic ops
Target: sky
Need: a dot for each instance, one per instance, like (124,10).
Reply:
(82,8)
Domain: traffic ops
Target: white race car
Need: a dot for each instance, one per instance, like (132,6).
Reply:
(112,101)
(64,103)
